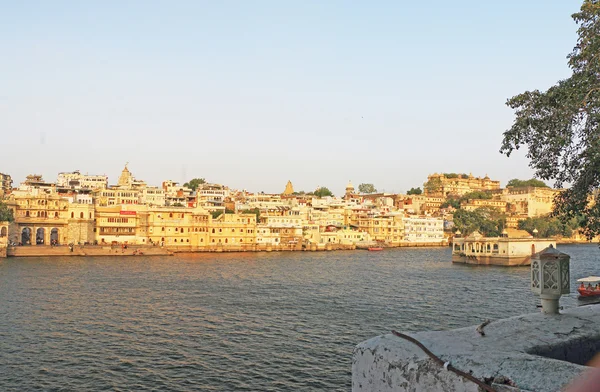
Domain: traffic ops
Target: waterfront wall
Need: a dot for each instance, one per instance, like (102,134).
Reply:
(148,250)
(533,352)
(87,250)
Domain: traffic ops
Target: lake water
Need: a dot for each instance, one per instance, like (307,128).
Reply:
(237,321)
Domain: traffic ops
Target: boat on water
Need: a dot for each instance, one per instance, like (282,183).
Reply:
(589,286)
(375,249)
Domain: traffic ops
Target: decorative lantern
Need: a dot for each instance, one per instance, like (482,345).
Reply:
(550,277)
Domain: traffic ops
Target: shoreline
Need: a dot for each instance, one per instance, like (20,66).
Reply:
(141,250)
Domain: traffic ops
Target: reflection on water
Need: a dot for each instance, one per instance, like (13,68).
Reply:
(241,321)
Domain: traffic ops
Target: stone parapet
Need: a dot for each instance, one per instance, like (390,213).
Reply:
(533,352)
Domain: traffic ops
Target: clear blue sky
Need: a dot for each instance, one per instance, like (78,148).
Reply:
(254,93)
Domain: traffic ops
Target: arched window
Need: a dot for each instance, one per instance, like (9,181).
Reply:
(171,215)
(72,215)
(213,230)
(81,215)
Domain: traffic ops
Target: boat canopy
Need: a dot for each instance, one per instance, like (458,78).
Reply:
(590,279)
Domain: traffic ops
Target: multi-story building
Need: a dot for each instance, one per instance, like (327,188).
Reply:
(152,196)
(5,184)
(211,197)
(528,201)
(473,204)
(451,184)
(382,228)
(48,219)
(233,231)
(116,196)
(421,204)
(76,180)
(177,195)
(421,229)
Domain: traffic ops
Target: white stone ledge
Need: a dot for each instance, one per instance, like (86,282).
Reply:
(511,348)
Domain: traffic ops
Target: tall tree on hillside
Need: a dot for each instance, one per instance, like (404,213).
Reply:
(560,126)
(367,188)
(323,191)
(414,191)
(6,214)
(533,182)
(433,186)
(193,183)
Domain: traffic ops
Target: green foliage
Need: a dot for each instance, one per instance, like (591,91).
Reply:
(479,195)
(216,214)
(451,175)
(561,126)
(414,191)
(367,188)
(323,192)
(548,226)
(433,186)
(488,221)
(193,183)
(532,182)
(254,211)
(451,202)
(455,202)
(299,193)
(177,204)
(6,214)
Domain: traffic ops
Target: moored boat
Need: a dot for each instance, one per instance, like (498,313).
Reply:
(592,289)
(374,249)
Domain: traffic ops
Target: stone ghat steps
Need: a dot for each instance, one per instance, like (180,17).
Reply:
(43,251)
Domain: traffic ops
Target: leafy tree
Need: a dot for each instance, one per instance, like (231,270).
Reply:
(299,193)
(487,220)
(322,192)
(193,183)
(532,182)
(548,226)
(177,204)
(6,214)
(479,195)
(367,188)
(433,186)
(414,191)
(561,126)
(451,175)
(451,202)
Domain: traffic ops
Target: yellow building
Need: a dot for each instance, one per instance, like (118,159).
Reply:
(451,184)
(388,228)
(39,220)
(473,204)
(529,201)
(233,232)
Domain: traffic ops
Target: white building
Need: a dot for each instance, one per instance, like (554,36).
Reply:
(77,180)
(423,229)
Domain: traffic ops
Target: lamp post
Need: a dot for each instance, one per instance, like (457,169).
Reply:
(535,232)
(550,277)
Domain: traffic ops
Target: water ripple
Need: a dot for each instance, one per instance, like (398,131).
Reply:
(235,322)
